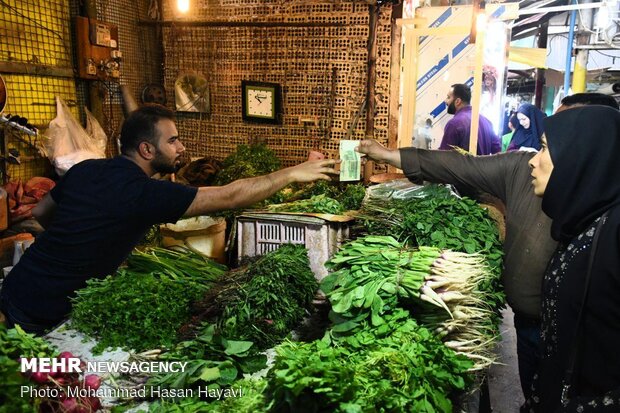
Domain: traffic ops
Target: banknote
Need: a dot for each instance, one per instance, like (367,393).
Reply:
(350,161)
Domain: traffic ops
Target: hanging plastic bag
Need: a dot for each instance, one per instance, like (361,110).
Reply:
(67,141)
(96,132)
(405,189)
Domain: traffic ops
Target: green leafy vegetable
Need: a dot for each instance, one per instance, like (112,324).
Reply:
(317,204)
(143,306)
(397,367)
(15,343)
(279,290)
(247,161)
(442,221)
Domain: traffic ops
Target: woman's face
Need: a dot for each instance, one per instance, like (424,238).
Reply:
(542,166)
(523,120)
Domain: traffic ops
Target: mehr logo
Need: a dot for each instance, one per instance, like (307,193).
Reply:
(65,363)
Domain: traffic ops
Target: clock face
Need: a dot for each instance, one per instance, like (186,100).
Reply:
(261,102)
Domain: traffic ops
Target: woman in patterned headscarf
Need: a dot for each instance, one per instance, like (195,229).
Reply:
(577,174)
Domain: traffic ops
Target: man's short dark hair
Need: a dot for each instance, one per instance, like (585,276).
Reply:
(462,91)
(140,126)
(590,99)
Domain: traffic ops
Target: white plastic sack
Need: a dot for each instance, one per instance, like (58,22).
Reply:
(68,143)
(96,132)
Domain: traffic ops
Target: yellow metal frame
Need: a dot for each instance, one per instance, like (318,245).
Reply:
(409,72)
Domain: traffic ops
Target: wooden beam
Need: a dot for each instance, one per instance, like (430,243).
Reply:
(371,83)
(476,92)
(395,57)
(201,23)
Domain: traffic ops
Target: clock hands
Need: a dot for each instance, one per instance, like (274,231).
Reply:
(260,98)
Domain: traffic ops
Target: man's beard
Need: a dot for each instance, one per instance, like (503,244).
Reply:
(451,109)
(162,165)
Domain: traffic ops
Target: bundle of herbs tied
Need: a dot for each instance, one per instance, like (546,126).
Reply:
(373,276)
(439,220)
(248,310)
(247,161)
(263,301)
(143,305)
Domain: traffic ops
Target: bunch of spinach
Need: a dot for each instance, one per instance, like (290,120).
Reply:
(371,276)
(397,367)
(376,274)
(212,360)
(445,222)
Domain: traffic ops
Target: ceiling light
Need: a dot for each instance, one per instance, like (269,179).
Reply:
(183,6)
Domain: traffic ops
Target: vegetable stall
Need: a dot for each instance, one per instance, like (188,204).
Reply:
(405,321)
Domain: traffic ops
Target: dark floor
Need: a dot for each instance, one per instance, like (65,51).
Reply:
(504,387)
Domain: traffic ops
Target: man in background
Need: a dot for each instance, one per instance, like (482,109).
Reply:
(582,99)
(457,130)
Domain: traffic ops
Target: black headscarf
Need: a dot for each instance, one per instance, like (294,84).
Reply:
(529,137)
(584,144)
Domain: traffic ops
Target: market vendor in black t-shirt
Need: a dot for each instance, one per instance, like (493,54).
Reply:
(102,208)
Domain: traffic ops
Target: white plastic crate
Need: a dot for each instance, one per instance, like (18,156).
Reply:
(260,233)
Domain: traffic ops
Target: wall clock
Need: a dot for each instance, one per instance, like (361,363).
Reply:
(261,102)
